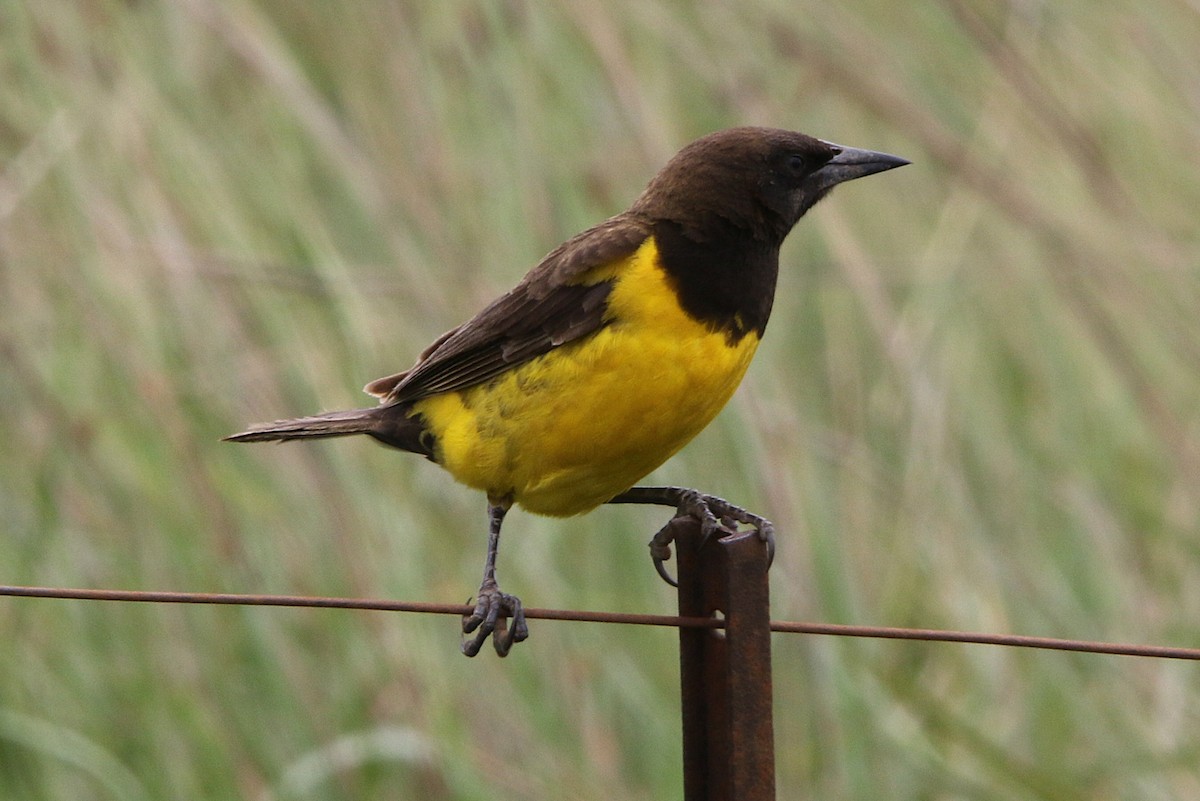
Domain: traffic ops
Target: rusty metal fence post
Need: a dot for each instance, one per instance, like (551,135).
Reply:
(728,735)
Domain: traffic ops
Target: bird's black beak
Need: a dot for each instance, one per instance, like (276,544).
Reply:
(851,163)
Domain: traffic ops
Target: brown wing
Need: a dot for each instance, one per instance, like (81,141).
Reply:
(546,309)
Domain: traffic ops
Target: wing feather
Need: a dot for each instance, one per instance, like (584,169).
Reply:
(548,308)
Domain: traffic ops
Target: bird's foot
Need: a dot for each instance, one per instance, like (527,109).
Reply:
(715,515)
(493,609)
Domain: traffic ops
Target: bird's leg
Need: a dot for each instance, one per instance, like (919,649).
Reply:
(715,514)
(493,608)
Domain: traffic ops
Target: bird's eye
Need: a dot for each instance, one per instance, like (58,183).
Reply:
(796,164)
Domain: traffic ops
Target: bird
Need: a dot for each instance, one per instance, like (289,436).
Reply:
(611,354)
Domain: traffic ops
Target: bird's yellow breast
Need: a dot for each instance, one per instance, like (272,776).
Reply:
(568,430)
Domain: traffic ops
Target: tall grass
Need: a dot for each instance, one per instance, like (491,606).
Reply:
(978,404)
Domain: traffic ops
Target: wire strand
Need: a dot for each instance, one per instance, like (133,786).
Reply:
(781,626)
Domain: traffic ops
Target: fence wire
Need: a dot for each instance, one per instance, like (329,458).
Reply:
(583,616)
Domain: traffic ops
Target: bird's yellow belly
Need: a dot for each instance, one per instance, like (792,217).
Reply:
(568,430)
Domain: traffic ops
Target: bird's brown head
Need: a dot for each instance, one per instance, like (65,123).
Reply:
(720,209)
(759,180)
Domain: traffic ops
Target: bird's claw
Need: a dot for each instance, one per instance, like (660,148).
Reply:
(492,612)
(660,549)
(715,515)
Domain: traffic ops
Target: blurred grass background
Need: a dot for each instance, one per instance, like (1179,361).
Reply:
(977,406)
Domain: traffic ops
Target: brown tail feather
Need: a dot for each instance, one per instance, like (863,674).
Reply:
(331,424)
(391,424)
